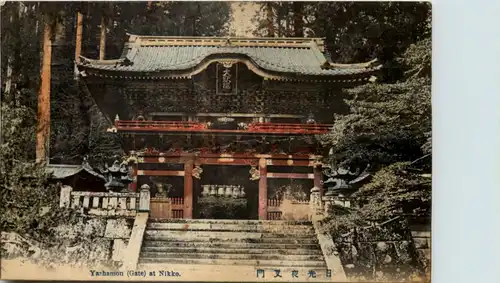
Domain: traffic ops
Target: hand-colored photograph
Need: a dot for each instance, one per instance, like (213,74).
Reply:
(216,141)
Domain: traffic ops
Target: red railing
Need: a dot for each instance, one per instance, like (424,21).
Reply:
(176,200)
(288,128)
(176,204)
(253,128)
(177,213)
(274,202)
(160,125)
(275,215)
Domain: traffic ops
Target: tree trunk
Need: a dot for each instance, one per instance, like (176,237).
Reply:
(298,19)
(102,43)
(13,56)
(78,41)
(8,79)
(279,18)
(287,19)
(43,115)
(270,19)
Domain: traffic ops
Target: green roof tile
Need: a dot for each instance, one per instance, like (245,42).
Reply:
(304,60)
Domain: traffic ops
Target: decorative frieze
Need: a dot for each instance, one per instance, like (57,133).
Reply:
(223,191)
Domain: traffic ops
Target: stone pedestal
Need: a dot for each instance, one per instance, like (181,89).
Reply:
(316,205)
(65,198)
(329,201)
(144,198)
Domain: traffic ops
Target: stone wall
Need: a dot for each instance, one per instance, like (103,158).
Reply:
(88,242)
(386,252)
(421,235)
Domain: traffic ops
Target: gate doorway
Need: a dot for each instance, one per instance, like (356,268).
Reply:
(217,195)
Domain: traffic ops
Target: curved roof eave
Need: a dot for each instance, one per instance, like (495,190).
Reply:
(112,67)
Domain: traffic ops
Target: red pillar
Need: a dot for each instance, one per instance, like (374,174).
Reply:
(318,178)
(188,190)
(263,189)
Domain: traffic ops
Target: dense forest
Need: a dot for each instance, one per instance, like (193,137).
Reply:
(389,125)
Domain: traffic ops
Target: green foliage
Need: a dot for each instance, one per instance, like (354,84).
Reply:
(354,31)
(389,126)
(395,190)
(171,18)
(359,31)
(30,204)
(387,123)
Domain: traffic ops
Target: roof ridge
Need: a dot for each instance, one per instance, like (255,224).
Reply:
(279,42)
(226,37)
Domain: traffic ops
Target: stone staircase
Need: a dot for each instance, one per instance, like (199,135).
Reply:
(234,247)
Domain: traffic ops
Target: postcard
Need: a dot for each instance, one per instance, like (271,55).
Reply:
(216,141)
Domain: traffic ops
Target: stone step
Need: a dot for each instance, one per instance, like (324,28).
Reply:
(148,236)
(271,250)
(288,257)
(229,262)
(229,245)
(222,235)
(232,221)
(284,229)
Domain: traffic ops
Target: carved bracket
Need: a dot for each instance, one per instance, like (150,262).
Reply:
(197,170)
(254,173)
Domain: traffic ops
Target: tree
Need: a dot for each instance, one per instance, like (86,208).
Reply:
(281,19)
(359,32)
(389,127)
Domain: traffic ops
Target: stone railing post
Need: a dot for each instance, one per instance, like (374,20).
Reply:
(315,202)
(329,202)
(144,198)
(65,198)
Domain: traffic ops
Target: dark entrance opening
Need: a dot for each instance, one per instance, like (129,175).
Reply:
(223,206)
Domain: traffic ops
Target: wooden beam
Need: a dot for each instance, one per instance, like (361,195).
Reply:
(161,159)
(175,130)
(290,175)
(290,162)
(43,115)
(236,155)
(159,173)
(227,161)
(233,115)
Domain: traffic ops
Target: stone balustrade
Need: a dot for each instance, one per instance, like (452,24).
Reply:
(105,203)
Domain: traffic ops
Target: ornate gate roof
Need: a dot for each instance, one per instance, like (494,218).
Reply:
(182,57)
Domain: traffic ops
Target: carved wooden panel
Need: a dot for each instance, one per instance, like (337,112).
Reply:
(161,208)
